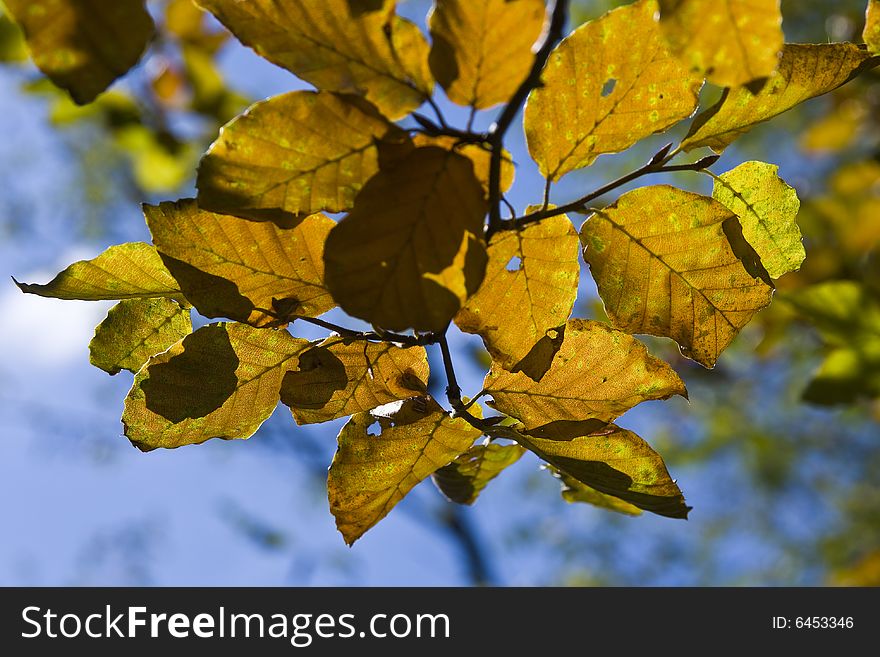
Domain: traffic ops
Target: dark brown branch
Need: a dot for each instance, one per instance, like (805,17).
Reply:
(373,336)
(432,129)
(453,391)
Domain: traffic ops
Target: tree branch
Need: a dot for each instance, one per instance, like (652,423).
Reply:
(374,336)
(428,127)
(453,391)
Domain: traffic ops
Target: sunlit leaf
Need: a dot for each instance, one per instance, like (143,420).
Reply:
(481,50)
(530,288)
(805,71)
(664,265)
(124,271)
(836,130)
(731,42)
(253,272)
(222,381)
(83,45)
(375,468)
(136,329)
(464,479)
(337,378)
(767,209)
(298,153)
(337,45)
(607,85)
(412,250)
(871,34)
(478,155)
(576,491)
(597,374)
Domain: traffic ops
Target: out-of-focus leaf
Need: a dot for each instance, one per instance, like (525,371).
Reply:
(296,154)
(411,251)
(871,34)
(12,45)
(156,168)
(481,50)
(372,472)
(84,45)
(124,271)
(805,71)
(576,491)
(337,45)
(223,381)
(136,329)
(836,130)
(767,209)
(731,42)
(464,479)
(478,155)
(664,266)
(337,378)
(253,272)
(607,85)
(530,288)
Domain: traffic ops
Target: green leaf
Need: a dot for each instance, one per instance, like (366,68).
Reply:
(296,154)
(124,271)
(252,272)
(871,34)
(412,250)
(136,329)
(805,71)
(358,48)
(337,378)
(372,472)
(767,209)
(607,85)
(575,491)
(83,45)
(731,42)
(12,45)
(664,266)
(223,381)
(481,50)
(464,479)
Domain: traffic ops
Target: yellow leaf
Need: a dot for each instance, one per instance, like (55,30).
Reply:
(478,155)
(597,374)
(372,472)
(296,154)
(805,71)
(412,249)
(253,272)
(530,287)
(871,34)
(837,130)
(464,479)
(337,378)
(481,50)
(664,266)
(607,85)
(124,271)
(222,381)
(731,42)
(358,48)
(136,329)
(576,491)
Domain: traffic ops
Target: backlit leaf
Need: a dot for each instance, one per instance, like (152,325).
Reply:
(805,71)
(731,42)
(337,45)
(253,272)
(607,85)
(530,287)
(412,250)
(222,381)
(464,479)
(597,375)
(481,50)
(83,45)
(136,329)
(576,491)
(871,34)
(373,470)
(767,209)
(124,271)
(664,266)
(478,155)
(337,378)
(298,153)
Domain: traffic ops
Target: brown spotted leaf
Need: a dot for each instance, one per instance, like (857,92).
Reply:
(464,479)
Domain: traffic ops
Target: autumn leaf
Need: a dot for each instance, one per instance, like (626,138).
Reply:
(805,71)
(136,329)
(411,250)
(253,272)
(84,45)
(481,50)
(607,85)
(575,491)
(296,154)
(464,479)
(479,157)
(372,472)
(871,34)
(337,378)
(664,266)
(732,42)
(222,381)
(358,48)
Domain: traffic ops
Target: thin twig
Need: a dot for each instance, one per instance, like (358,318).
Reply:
(437,111)
(453,391)
(374,336)
(432,129)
